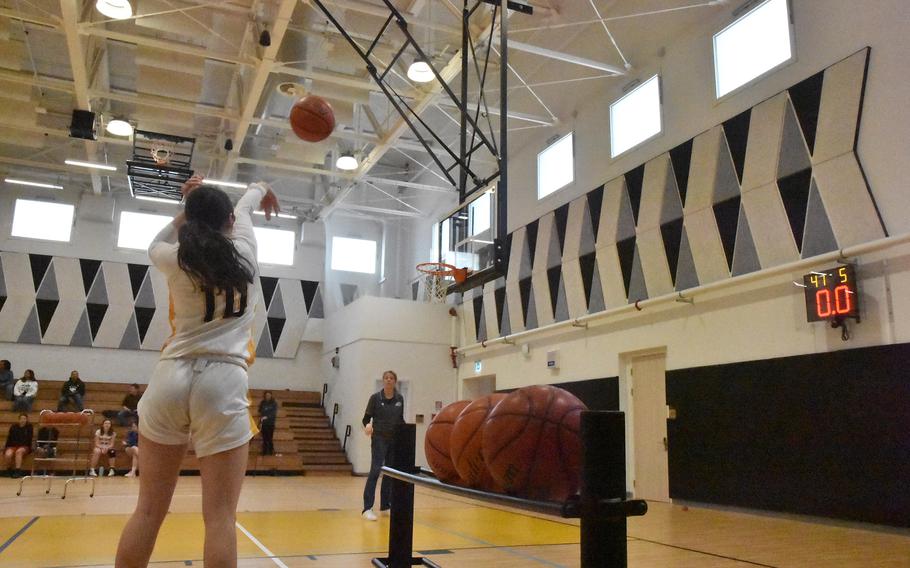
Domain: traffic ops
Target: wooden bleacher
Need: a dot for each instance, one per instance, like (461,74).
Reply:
(300,420)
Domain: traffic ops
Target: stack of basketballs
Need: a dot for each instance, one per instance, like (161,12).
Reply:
(526,443)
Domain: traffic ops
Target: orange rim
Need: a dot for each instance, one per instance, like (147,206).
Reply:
(443,269)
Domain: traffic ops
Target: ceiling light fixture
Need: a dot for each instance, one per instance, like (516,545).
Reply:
(119,127)
(116,9)
(90,165)
(347,162)
(421,72)
(158,199)
(32,183)
(224,183)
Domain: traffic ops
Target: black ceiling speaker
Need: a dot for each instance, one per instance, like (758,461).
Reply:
(228,144)
(83,125)
(265,38)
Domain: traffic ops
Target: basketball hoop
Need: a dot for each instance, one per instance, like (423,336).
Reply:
(437,277)
(161,154)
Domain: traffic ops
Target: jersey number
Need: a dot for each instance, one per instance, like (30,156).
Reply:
(229,311)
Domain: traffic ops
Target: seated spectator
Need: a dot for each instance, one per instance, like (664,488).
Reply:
(6,379)
(128,413)
(131,447)
(73,390)
(25,391)
(18,444)
(104,445)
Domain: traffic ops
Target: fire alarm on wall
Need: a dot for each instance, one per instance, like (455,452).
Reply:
(553,359)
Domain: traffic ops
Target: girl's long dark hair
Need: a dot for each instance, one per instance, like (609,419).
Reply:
(205,253)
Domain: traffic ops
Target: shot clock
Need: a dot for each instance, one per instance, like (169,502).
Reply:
(831,294)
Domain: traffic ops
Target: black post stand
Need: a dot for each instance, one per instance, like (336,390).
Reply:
(602,506)
(401,519)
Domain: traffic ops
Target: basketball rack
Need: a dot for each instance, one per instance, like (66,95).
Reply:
(602,506)
(160,165)
(76,429)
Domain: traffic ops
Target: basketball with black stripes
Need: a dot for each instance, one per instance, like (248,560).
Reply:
(437,440)
(467,442)
(312,119)
(532,443)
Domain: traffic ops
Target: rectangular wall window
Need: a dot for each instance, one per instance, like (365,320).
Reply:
(354,255)
(556,166)
(755,44)
(274,246)
(138,229)
(43,220)
(635,117)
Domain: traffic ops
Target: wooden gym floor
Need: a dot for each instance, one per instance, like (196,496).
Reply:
(315,522)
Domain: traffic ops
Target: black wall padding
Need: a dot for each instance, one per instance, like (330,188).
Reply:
(597,394)
(825,435)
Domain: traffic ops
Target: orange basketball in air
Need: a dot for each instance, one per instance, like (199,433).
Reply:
(312,119)
(436,442)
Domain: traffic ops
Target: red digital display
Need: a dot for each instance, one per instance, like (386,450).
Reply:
(831,294)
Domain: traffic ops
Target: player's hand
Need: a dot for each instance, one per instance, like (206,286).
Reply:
(368,430)
(269,204)
(190,185)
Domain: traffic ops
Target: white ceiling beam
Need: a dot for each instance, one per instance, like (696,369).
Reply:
(259,82)
(380,211)
(383,12)
(70,18)
(166,45)
(564,57)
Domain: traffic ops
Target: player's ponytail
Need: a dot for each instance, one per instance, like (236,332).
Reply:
(206,254)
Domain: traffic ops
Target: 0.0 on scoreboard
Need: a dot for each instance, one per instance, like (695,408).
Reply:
(831,294)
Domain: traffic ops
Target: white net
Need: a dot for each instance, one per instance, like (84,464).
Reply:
(435,287)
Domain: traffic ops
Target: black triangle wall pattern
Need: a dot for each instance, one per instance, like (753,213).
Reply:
(524,288)
(276,325)
(681,159)
(89,271)
(478,316)
(531,238)
(268,288)
(794,191)
(806,96)
(144,320)
(595,202)
(95,316)
(736,130)
(560,219)
(46,309)
(137,275)
(672,235)
(40,264)
(500,295)
(727,215)
(634,180)
(587,263)
(626,251)
(309,292)
(553,276)
(508,251)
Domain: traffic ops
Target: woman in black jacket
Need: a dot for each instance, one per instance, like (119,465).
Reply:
(18,444)
(268,414)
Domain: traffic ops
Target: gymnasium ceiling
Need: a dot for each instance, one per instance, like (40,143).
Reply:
(195,68)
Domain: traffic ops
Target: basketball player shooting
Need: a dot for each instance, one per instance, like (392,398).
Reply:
(199,387)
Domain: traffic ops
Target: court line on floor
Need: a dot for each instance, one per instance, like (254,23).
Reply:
(702,552)
(11,539)
(269,554)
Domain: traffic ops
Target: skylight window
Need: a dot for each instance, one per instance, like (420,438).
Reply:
(274,246)
(635,117)
(556,166)
(754,45)
(138,229)
(43,220)
(354,255)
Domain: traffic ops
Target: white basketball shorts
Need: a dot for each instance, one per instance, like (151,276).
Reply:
(197,399)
